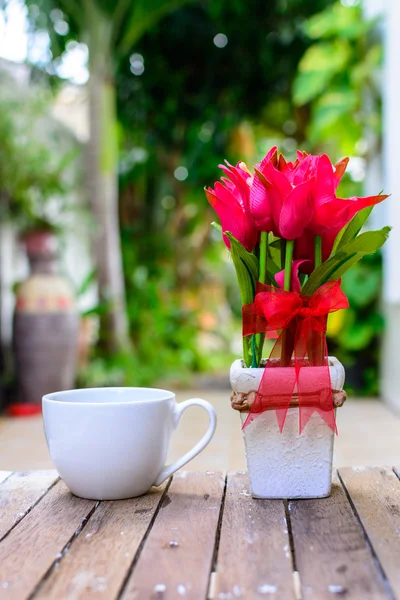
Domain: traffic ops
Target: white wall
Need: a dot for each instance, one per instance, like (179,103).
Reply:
(391,137)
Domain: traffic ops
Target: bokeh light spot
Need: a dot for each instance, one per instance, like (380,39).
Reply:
(137,63)
(220,40)
(181,173)
(61,27)
(168,202)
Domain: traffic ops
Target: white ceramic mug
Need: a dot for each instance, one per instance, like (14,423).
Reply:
(112,443)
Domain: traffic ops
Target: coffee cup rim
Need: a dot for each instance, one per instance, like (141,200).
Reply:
(61,396)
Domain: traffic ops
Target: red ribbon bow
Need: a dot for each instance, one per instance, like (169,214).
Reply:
(302,321)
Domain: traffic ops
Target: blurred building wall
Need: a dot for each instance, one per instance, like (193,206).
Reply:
(391,148)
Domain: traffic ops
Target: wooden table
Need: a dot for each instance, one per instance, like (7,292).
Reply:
(201,536)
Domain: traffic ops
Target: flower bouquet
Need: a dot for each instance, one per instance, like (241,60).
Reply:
(291,239)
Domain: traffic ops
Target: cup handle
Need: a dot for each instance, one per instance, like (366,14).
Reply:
(178,411)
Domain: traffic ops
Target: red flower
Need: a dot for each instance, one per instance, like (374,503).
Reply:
(330,213)
(297,200)
(281,195)
(230,200)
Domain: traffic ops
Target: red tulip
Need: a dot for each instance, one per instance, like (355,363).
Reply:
(330,214)
(281,195)
(230,200)
(297,200)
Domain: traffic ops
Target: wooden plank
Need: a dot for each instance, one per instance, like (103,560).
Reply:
(31,548)
(4,475)
(19,493)
(99,559)
(177,557)
(331,554)
(375,494)
(23,445)
(254,556)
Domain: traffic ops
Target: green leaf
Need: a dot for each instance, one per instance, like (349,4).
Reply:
(274,257)
(247,263)
(331,107)
(352,229)
(317,67)
(276,244)
(347,256)
(247,270)
(217,226)
(337,20)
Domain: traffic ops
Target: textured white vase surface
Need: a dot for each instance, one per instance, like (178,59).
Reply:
(287,464)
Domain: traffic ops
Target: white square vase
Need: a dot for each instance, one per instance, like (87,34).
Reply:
(287,464)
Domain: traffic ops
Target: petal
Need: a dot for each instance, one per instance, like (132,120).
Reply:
(297,210)
(304,170)
(356,204)
(281,162)
(276,179)
(261,200)
(340,168)
(232,216)
(339,211)
(238,181)
(325,184)
(304,249)
(271,156)
(279,187)
(301,154)
(295,285)
(328,239)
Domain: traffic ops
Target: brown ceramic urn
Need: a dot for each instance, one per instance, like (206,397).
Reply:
(46,324)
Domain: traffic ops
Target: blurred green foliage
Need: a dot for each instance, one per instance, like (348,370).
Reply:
(337,86)
(338,80)
(37,159)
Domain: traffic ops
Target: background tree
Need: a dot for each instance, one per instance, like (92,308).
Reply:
(209,81)
(109,28)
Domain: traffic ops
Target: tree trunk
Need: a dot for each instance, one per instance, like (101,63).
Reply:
(103,191)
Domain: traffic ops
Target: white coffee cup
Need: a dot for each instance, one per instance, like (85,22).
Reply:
(112,443)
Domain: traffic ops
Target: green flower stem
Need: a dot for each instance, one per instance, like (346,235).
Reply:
(262,277)
(318,251)
(283,253)
(288,264)
(288,333)
(263,256)
(315,349)
(246,351)
(254,364)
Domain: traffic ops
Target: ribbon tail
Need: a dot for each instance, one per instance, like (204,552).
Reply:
(315,391)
